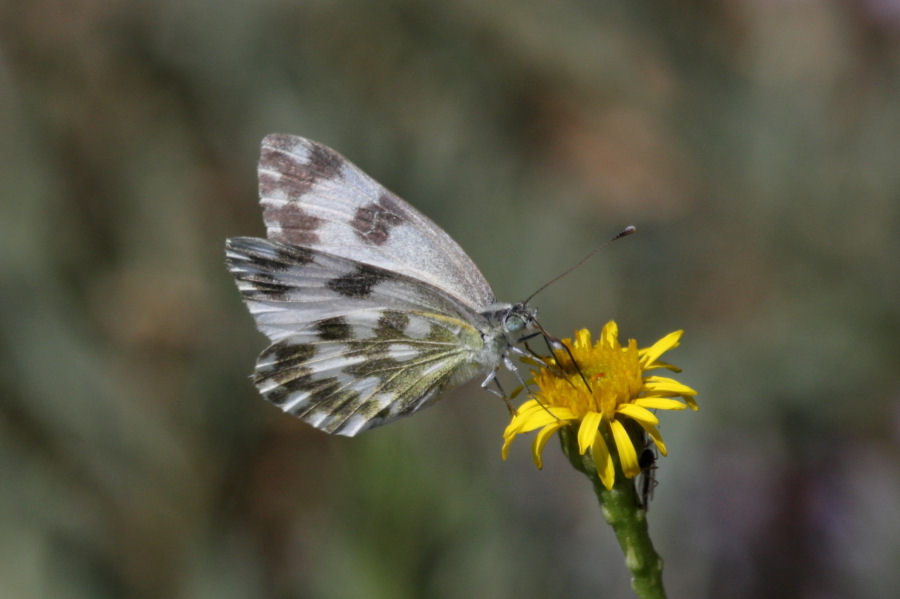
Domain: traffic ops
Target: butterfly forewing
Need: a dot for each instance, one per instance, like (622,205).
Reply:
(313,197)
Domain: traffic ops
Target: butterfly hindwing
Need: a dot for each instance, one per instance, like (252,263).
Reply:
(347,374)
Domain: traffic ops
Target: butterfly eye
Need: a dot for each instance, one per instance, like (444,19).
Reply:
(514,322)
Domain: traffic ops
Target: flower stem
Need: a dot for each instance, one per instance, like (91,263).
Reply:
(628,518)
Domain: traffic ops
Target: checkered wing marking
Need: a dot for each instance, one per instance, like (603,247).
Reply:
(287,287)
(315,198)
(346,374)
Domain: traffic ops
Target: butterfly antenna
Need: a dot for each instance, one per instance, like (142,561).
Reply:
(554,342)
(623,233)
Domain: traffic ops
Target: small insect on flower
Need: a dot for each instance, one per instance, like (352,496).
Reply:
(604,387)
(371,308)
(647,463)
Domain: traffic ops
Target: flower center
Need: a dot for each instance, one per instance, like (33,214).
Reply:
(614,373)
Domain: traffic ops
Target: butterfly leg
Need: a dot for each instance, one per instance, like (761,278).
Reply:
(534,355)
(499,392)
(510,365)
(529,353)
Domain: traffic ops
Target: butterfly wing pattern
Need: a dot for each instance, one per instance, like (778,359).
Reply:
(371,308)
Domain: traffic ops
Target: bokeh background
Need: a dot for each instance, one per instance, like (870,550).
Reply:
(755,145)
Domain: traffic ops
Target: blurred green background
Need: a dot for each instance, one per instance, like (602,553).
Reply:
(755,145)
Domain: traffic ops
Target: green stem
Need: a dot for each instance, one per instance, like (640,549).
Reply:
(622,510)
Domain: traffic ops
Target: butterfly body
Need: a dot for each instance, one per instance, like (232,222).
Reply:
(371,308)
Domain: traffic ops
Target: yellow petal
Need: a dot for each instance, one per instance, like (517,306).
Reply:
(534,415)
(526,407)
(659,403)
(504,451)
(638,413)
(627,454)
(582,339)
(610,334)
(537,448)
(670,341)
(603,462)
(590,425)
(662,384)
(661,364)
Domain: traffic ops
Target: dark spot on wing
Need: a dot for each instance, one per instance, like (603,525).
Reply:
(288,255)
(392,324)
(339,406)
(298,227)
(284,355)
(254,254)
(291,174)
(265,287)
(390,328)
(358,283)
(325,162)
(373,222)
(333,329)
(373,366)
(321,390)
(288,174)
(441,334)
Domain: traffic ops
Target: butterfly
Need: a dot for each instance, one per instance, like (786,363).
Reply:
(372,310)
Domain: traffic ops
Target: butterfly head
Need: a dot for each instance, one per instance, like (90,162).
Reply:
(519,318)
(514,320)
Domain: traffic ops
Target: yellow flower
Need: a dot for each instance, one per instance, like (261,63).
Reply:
(619,389)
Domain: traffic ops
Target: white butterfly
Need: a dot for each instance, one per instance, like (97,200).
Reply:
(372,309)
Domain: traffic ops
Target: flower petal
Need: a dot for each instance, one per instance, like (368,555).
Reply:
(603,462)
(582,340)
(627,453)
(661,364)
(526,407)
(609,336)
(670,341)
(662,384)
(640,414)
(659,403)
(504,451)
(537,447)
(535,415)
(588,430)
